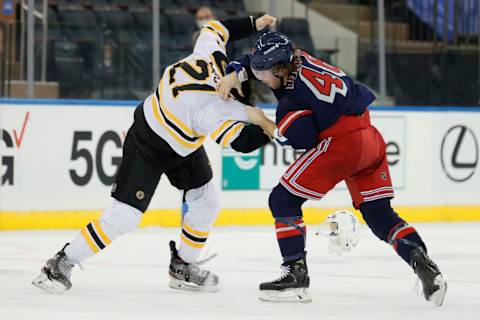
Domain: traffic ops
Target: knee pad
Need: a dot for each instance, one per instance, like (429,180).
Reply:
(282,203)
(203,206)
(120,219)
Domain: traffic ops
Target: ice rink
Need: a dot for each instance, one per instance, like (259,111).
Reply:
(129,280)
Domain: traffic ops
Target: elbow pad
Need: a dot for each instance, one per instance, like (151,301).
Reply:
(251,138)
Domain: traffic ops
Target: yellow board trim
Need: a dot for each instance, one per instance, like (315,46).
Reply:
(43,220)
(102,234)
(89,241)
(191,243)
(195,232)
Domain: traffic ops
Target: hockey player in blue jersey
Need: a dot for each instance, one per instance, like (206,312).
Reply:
(322,110)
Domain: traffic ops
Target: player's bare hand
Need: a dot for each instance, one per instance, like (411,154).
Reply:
(227,84)
(256,115)
(265,21)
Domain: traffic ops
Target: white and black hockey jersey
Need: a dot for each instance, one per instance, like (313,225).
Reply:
(186,108)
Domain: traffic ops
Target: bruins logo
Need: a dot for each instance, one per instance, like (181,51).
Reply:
(140,195)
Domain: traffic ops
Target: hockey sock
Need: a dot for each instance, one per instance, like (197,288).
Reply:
(192,242)
(289,226)
(116,220)
(291,235)
(202,208)
(389,227)
(404,239)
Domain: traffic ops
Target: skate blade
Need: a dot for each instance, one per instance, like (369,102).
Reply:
(44,283)
(438,296)
(186,286)
(290,295)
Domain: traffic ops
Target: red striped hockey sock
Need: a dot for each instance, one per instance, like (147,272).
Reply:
(291,236)
(404,238)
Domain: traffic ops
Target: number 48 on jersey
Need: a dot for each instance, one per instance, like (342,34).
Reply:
(324,80)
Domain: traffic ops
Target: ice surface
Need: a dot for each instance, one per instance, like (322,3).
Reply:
(129,280)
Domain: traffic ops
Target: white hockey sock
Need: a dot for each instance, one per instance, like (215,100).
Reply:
(192,242)
(115,221)
(203,209)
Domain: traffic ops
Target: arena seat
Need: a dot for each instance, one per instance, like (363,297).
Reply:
(79,24)
(192,5)
(120,23)
(181,27)
(69,68)
(299,31)
(167,4)
(233,6)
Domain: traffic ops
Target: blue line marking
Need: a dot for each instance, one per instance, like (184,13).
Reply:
(72,102)
(134,103)
(407,108)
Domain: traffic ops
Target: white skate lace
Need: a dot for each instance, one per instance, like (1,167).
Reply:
(203,261)
(198,273)
(65,266)
(62,266)
(285,272)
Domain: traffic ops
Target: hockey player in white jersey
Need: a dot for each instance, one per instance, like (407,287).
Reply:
(166,137)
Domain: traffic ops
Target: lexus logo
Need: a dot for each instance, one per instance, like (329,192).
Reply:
(459,153)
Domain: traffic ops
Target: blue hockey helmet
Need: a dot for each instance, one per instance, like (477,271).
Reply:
(271,48)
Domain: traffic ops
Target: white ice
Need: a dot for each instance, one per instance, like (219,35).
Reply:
(129,279)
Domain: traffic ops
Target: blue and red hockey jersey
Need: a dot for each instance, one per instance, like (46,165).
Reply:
(315,97)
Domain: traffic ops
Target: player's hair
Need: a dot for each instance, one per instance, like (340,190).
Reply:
(290,66)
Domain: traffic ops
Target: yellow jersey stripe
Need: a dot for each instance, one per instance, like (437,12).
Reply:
(195,232)
(230,134)
(173,133)
(189,131)
(100,232)
(89,241)
(191,243)
(220,129)
(220,29)
(218,35)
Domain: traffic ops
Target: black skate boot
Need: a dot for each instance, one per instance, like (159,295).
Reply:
(292,286)
(188,276)
(55,275)
(433,283)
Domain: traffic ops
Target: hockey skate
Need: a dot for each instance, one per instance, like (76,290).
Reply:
(292,286)
(433,283)
(55,275)
(188,276)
